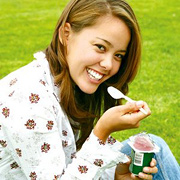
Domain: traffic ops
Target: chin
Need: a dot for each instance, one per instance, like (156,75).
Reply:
(89,90)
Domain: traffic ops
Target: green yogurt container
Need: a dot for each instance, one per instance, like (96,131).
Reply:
(139,161)
(140,158)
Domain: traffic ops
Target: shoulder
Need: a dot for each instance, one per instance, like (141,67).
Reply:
(34,74)
(33,81)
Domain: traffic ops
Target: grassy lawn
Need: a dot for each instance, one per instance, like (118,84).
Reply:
(27,26)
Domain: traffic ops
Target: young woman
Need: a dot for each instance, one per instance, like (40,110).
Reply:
(56,116)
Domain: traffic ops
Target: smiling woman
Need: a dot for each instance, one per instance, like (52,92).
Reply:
(56,112)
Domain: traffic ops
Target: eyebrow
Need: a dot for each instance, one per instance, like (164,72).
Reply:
(107,42)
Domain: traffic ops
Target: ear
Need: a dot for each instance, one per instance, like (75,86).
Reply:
(64,33)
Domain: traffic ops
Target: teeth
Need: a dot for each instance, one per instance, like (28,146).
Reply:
(94,75)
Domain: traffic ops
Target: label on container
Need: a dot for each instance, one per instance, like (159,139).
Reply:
(138,158)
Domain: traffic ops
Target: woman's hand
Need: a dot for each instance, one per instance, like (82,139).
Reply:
(120,118)
(122,172)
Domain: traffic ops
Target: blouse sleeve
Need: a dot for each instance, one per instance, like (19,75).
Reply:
(95,159)
(108,174)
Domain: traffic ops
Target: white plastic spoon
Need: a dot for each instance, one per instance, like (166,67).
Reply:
(116,94)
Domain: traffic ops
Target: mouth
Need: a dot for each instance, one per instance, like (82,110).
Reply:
(94,74)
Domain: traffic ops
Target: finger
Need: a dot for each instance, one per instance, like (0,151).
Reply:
(153,162)
(140,105)
(145,176)
(144,105)
(128,107)
(131,114)
(151,170)
(135,177)
(139,114)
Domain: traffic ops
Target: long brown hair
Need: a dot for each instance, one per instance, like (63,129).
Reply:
(83,108)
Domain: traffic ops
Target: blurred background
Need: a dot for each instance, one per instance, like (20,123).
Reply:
(27,27)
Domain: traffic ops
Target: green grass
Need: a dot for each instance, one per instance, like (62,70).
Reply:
(27,27)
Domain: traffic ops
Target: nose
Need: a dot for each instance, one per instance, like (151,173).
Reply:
(107,62)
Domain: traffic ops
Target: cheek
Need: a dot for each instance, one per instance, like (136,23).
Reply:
(91,57)
(115,69)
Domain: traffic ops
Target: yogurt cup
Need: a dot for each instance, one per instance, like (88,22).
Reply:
(142,152)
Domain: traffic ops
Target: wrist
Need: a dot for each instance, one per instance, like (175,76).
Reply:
(101,132)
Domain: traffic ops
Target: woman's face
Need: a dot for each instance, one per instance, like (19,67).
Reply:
(94,54)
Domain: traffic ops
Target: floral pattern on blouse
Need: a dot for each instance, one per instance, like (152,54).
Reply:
(36,139)
(6,112)
(98,162)
(30,124)
(49,125)
(33,176)
(34,98)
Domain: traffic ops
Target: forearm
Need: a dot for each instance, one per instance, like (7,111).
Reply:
(101,132)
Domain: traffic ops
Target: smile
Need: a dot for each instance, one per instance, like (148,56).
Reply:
(94,74)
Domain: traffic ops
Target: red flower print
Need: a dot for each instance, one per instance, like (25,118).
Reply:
(14,165)
(3,143)
(82,169)
(64,143)
(42,82)
(19,152)
(34,98)
(13,82)
(33,176)
(64,133)
(30,124)
(5,112)
(111,140)
(56,177)
(101,142)
(50,125)
(98,162)
(45,147)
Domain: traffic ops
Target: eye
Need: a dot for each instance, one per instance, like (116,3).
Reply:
(101,47)
(119,57)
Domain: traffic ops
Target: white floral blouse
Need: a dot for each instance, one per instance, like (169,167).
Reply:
(36,139)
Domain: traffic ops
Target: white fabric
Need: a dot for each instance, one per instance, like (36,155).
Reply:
(36,139)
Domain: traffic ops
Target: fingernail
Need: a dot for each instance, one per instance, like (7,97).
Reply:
(141,175)
(152,164)
(146,170)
